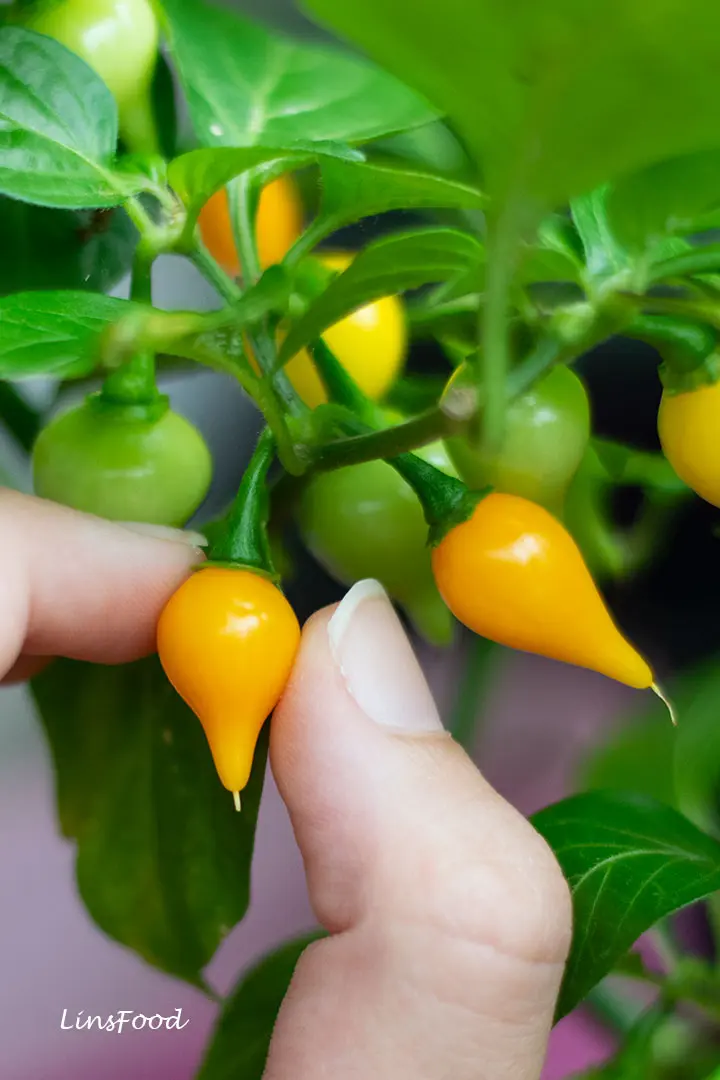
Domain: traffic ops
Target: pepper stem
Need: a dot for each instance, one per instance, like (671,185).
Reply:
(446,501)
(340,385)
(687,348)
(244,540)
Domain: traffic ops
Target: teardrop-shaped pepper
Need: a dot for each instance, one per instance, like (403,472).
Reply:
(513,573)
(227,638)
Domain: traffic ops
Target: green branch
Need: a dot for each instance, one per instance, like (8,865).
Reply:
(388,443)
(214,274)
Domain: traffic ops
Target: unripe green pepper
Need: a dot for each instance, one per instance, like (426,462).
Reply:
(123,462)
(366,521)
(119,40)
(546,432)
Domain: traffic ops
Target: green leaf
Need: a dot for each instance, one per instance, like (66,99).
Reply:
(664,198)
(246,85)
(353,191)
(213,338)
(58,127)
(630,861)
(391,265)
(605,256)
(200,173)
(241,1039)
(63,249)
(163,858)
(546,94)
(54,333)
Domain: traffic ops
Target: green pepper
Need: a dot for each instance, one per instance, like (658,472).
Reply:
(546,432)
(123,462)
(366,521)
(119,40)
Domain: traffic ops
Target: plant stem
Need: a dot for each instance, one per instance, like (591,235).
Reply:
(215,275)
(388,443)
(704,260)
(477,662)
(243,227)
(340,385)
(134,381)
(307,241)
(141,282)
(494,353)
(244,540)
(548,351)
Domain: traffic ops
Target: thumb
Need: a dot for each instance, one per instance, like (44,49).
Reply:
(448,914)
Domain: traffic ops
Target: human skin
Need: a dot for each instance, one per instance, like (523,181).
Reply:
(449,918)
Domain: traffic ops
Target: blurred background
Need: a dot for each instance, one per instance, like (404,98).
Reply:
(536,724)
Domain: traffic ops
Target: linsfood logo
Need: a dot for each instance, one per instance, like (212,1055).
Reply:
(126,1018)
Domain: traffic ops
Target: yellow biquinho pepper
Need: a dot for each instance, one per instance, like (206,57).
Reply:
(227,640)
(513,573)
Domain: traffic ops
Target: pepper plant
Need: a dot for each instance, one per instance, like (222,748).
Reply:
(554,170)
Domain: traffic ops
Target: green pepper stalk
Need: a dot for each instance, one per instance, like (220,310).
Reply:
(243,542)
(446,501)
(687,347)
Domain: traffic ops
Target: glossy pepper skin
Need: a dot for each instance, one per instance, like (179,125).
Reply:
(366,521)
(227,640)
(546,433)
(107,460)
(513,574)
(278,224)
(117,38)
(371,344)
(689,428)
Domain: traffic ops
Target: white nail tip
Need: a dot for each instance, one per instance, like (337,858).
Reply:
(343,615)
(165,532)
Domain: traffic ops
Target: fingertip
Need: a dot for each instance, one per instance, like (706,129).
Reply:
(83,587)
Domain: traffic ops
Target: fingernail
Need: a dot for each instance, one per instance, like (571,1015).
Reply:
(164,532)
(377,662)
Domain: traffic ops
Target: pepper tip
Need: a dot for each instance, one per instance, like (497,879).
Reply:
(667,702)
(236,800)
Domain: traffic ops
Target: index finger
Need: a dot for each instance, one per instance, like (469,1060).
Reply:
(79,586)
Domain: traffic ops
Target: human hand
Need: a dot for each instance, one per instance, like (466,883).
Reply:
(448,915)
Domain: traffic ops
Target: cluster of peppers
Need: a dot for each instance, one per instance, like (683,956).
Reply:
(448,530)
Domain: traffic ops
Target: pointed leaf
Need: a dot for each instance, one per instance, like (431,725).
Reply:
(399,262)
(630,862)
(197,175)
(528,85)
(665,197)
(54,333)
(241,1040)
(58,127)
(353,191)
(163,858)
(246,85)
